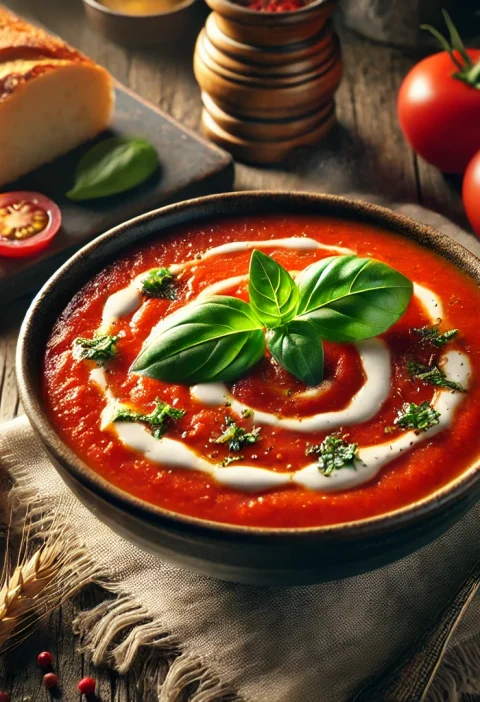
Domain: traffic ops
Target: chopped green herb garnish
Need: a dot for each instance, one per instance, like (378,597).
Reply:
(432,375)
(157,420)
(433,335)
(413,416)
(99,349)
(236,437)
(231,459)
(333,453)
(159,283)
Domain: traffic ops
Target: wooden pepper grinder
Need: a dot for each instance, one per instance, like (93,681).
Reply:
(267,78)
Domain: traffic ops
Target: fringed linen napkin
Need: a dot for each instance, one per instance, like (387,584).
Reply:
(298,644)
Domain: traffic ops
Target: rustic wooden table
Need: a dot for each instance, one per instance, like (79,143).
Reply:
(366,153)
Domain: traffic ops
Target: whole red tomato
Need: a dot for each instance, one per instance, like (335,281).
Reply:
(471,193)
(439,113)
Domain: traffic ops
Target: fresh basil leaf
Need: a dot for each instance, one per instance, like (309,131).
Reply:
(215,340)
(298,348)
(113,166)
(350,298)
(273,293)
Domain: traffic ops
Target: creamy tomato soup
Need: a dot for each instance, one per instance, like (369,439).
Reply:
(394,418)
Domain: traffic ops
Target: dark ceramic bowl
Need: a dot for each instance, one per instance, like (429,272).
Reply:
(244,554)
(140,31)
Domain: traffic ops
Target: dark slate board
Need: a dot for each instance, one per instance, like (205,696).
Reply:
(189,167)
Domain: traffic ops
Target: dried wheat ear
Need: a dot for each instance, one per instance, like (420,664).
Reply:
(49,567)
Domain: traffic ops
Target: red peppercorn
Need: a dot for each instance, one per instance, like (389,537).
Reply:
(44,659)
(50,680)
(4,697)
(87,686)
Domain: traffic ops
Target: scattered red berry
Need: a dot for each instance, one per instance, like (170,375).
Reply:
(50,680)
(87,686)
(4,697)
(44,659)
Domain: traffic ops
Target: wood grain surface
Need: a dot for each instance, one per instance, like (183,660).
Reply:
(365,154)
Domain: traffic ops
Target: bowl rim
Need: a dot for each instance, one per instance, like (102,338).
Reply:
(96,5)
(109,245)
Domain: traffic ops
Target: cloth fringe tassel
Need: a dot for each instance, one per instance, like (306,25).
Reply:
(458,675)
(114,632)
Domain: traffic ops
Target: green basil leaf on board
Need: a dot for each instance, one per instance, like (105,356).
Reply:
(273,293)
(298,348)
(215,340)
(113,166)
(350,298)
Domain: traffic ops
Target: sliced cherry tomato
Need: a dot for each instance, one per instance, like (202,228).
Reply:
(471,193)
(28,222)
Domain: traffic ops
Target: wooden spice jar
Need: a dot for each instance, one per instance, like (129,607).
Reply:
(267,78)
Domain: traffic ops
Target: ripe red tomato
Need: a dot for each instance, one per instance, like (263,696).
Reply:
(471,193)
(440,114)
(28,222)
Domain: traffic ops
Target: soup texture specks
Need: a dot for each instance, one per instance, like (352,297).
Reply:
(391,420)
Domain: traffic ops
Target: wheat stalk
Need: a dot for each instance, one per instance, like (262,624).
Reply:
(44,576)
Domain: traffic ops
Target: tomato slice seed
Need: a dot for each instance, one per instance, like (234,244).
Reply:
(21,220)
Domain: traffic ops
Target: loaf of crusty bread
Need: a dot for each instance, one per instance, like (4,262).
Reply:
(52,98)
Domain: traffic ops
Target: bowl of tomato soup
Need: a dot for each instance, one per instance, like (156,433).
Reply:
(267,388)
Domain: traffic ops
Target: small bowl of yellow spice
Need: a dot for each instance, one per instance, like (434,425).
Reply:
(140,23)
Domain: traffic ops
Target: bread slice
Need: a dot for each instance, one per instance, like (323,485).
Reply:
(52,98)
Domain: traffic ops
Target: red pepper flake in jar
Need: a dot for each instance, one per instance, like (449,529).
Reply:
(276,5)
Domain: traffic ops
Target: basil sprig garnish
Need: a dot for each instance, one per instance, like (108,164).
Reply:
(341,298)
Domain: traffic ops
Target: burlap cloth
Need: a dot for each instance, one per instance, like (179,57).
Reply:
(298,644)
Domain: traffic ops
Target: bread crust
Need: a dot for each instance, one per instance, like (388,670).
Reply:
(22,41)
